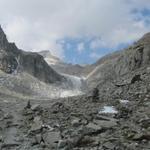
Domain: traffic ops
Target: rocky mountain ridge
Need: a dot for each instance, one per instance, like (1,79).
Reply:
(12,58)
(120,63)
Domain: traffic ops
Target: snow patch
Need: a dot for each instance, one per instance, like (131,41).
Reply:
(124,101)
(51,61)
(70,93)
(108,109)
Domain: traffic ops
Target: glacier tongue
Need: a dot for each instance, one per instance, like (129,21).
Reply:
(76,82)
(23,84)
(74,86)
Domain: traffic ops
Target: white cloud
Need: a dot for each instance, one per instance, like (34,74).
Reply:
(95,55)
(97,43)
(80,47)
(32,38)
(36,25)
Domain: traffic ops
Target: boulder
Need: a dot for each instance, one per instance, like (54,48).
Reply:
(51,139)
(76,122)
(106,124)
(93,128)
(37,124)
(141,136)
(35,107)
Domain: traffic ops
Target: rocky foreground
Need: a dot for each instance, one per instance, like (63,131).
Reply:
(117,122)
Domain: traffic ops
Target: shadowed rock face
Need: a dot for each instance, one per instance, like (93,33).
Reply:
(12,58)
(3,39)
(8,63)
(35,65)
(122,62)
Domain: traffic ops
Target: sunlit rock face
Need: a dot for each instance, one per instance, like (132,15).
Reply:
(122,62)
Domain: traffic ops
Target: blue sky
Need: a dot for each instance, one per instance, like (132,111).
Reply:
(77,31)
(86,54)
(80,51)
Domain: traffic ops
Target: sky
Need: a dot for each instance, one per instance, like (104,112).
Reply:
(77,31)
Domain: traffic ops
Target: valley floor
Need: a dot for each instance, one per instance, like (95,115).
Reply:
(75,123)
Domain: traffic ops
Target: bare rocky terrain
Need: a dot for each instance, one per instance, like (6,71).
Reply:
(115,117)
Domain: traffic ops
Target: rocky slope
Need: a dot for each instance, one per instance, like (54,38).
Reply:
(123,62)
(13,59)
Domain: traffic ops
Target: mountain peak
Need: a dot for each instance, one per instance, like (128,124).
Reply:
(3,39)
(50,59)
(145,39)
(1,28)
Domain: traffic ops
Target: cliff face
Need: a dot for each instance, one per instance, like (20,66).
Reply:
(13,59)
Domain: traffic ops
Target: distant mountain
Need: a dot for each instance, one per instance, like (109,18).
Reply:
(49,58)
(61,66)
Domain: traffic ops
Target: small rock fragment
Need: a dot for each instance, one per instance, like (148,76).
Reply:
(35,107)
(76,122)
